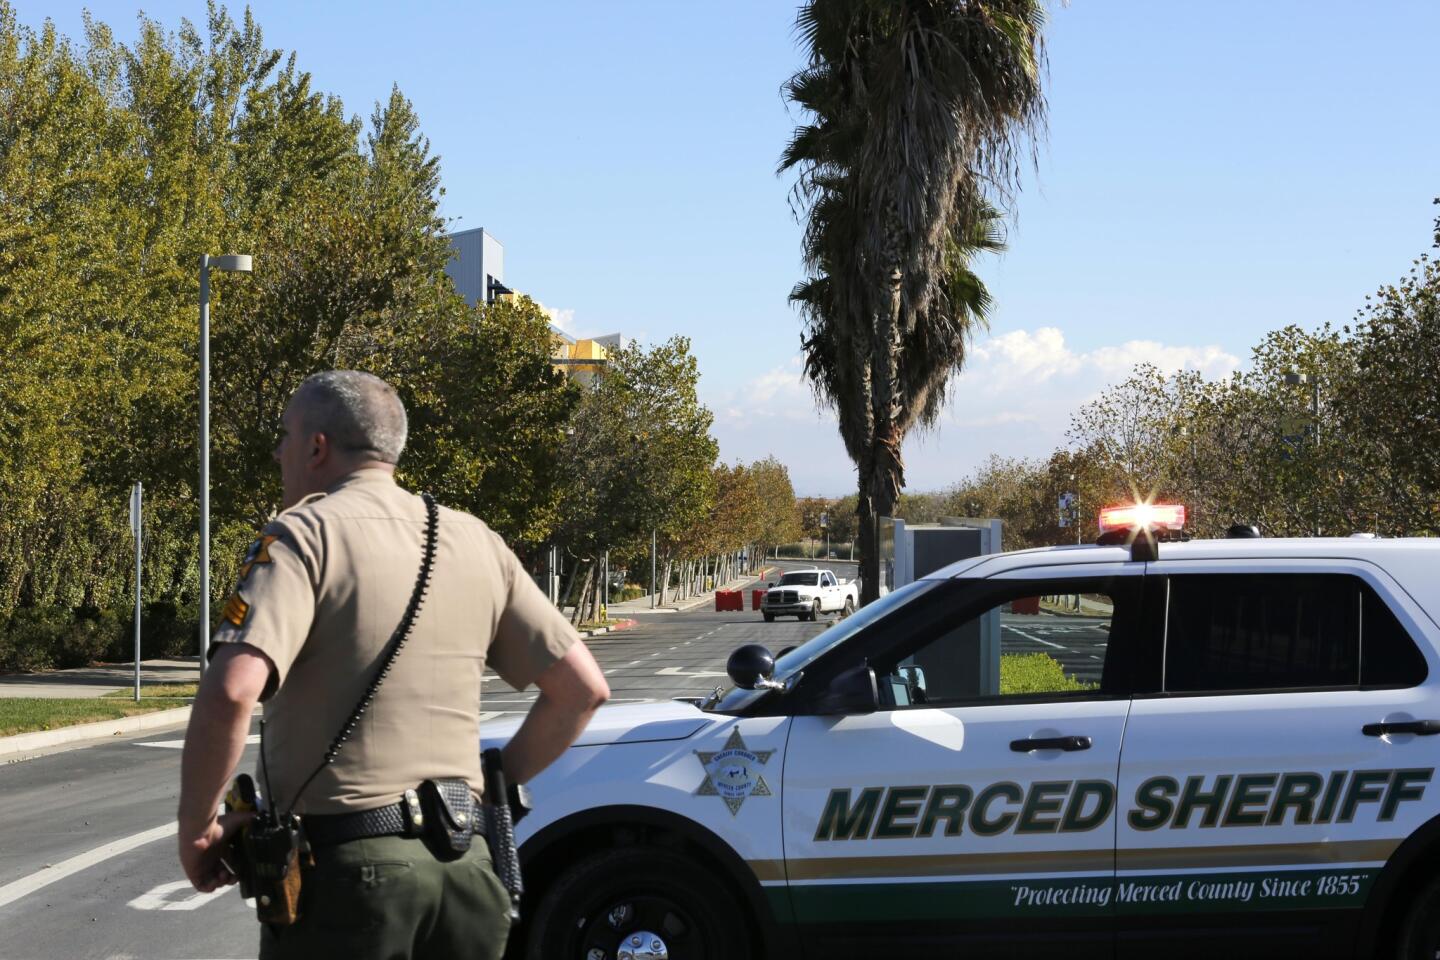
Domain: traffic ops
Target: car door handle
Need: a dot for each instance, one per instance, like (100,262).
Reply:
(1050,743)
(1424,728)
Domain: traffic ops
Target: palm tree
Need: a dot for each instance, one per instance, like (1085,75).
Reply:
(919,110)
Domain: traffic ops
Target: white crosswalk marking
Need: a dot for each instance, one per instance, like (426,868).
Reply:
(682,672)
(180,744)
(25,886)
(162,897)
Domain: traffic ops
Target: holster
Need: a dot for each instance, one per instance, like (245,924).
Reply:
(504,801)
(450,813)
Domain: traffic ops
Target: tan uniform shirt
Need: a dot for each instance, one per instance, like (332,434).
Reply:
(321,593)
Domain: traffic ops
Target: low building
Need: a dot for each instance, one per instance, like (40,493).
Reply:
(478,271)
(478,266)
(582,360)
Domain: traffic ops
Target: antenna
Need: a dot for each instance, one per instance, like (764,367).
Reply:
(265,767)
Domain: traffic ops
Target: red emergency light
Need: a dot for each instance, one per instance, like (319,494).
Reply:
(1143,516)
(1141,527)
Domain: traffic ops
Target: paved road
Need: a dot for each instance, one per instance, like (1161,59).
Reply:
(87,865)
(1077,642)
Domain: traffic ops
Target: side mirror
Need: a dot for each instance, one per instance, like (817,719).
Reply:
(750,666)
(853,691)
(769,584)
(914,678)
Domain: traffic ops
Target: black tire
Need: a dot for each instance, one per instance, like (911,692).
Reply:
(769,617)
(1420,932)
(616,893)
(815,611)
(848,609)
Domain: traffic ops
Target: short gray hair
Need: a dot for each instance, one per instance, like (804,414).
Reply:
(358,411)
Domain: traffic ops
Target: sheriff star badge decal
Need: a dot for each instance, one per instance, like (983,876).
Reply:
(732,773)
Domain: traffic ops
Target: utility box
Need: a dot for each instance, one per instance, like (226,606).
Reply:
(965,662)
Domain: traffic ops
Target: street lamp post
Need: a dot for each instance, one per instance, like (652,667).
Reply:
(1293,379)
(231,263)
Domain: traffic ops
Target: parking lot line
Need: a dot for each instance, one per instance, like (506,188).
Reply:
(1036,639)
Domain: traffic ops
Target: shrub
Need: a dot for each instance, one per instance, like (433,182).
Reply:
(90,635)
(632,591)
(49,638)
(168,629)
(33,638)
(1036,673)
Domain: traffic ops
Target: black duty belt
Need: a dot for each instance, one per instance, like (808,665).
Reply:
(396,819)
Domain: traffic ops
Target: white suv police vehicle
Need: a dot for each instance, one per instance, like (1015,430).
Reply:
(1207,748)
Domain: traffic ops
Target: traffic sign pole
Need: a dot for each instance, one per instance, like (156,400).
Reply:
(137,499)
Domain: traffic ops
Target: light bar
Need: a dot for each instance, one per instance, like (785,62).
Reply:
(1165,516)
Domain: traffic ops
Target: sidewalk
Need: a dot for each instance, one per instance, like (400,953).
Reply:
(641,605)
(86,683)
(97,681)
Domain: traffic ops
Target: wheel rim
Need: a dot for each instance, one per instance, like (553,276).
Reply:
(649,927)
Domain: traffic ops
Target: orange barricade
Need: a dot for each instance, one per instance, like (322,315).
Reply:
(756,597)
(1025,605)
(729,600)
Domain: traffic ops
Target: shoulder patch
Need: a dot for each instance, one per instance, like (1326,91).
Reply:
(259,552)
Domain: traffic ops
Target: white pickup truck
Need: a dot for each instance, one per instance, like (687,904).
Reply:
(808,593)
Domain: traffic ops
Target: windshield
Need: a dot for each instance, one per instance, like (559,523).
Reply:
(792,663)
(800,579)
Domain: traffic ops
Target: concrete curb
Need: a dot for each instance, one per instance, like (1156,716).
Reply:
(613,628)
(13,748)
(697,601)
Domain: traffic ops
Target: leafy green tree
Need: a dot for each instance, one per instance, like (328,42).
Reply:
(780,517)
(119,165)
(842,519)
(1387,410)
(489,420)
(637,459)
(916,107)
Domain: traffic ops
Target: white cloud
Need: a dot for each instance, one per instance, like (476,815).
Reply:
(564,319)
(1015,398)
(778,392)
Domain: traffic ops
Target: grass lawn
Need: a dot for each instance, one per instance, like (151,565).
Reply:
(28,714)
(159,691)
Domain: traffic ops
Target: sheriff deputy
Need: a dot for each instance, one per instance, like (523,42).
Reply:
(319,596)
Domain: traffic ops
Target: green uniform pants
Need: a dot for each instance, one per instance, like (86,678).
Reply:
(389,898)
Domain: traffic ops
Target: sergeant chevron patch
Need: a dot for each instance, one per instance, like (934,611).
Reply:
(236,611)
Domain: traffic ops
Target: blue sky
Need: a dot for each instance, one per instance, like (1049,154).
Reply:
(1212,171)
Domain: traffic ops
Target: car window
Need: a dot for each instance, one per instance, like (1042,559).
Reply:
(1388,656)
(1228,632)
(798,579)
(891,613)
(1032,641)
